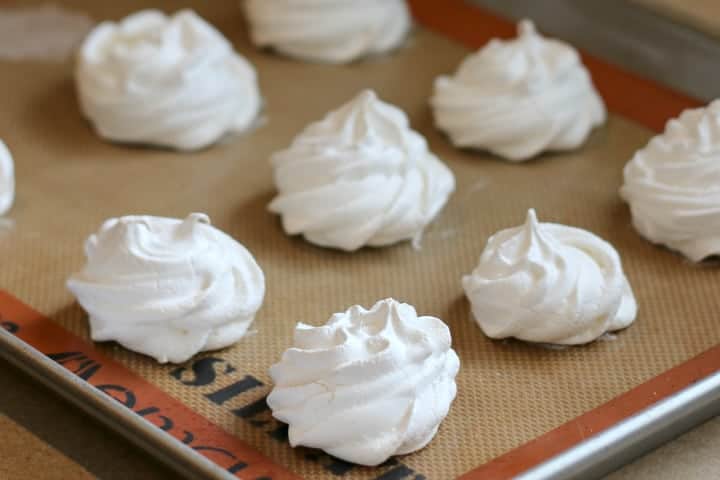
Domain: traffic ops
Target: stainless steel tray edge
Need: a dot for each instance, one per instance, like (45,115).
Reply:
(661,422)
(171,452)
(593,458)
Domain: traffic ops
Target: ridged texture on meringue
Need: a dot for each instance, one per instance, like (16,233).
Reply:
(7,179)
(545,282)
(518,98)
(331,31)
(673,185)
(367,385)
(166,287)
(166,81)
(359,177)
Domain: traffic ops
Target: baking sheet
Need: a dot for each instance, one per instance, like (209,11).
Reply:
(508,392)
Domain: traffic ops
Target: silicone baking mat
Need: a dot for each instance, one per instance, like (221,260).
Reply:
(517,404)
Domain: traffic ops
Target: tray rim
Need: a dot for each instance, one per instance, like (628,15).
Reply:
(123,400)
(676,409)
(619,445)
(71,388)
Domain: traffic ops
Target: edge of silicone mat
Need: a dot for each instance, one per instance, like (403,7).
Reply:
(632,97)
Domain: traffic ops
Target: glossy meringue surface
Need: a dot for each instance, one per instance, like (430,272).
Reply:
(330,31)
(359,177)
(673,184)
(549,283)
(170,81)
(518,98)
(367,385)
(166,287)
(7,179)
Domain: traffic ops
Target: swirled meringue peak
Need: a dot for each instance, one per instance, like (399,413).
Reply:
(549,283)
(673,185)
(518,98)
(330,31)
(359,177)
(7,179)
(166,287)
(367,385)
(166,81)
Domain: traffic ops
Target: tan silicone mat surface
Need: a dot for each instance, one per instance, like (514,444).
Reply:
(508,392)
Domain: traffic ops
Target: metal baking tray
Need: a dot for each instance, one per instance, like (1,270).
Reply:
(671,402)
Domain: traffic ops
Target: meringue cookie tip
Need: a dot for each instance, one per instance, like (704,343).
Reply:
(367,95)
(531,217)
(7,179)
(526,27)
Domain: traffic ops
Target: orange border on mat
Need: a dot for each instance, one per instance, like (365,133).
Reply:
(224,449)
(601,418)
(626,94)
(630,96)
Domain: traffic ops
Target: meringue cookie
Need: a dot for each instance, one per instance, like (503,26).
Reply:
(166,287)
(331,31)
(7,179)
(545,282)
(517,98)
(359,177)
(367,385)
(673,184)
(167,81)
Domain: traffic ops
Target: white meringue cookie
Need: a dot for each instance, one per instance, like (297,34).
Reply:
(166,287)
(367,385)
(7,179)
(518,98)
(331,31)
(673,184)
(167,81)
(359,177)
(545,282)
